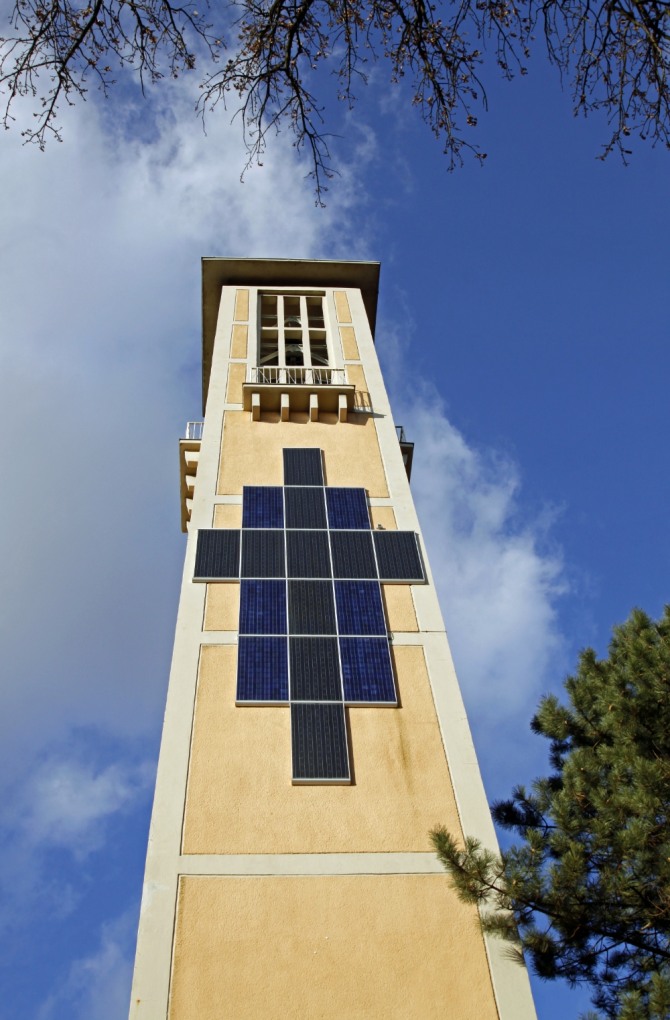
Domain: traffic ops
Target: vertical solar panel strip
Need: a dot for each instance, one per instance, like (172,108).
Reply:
(307,554)
(398,556)
(311,607)
(217,555)
(303,467)
(262,553)
(359,608)
(263,607)
(262,506)
(262,670)
(347,508)
(353,555)
(319,743)
(367,673)
(305,507)
(315,669)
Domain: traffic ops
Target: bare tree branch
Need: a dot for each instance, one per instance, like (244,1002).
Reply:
(614,53)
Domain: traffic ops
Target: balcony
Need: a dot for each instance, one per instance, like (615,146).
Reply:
(406,448)
(189,455)
(287,388)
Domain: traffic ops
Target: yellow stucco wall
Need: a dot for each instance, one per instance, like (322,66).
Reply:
(399,607)
(241,305)
(354,947)
(251,451)
(236,376)
(349,345)
(239,342)
(356,375)
(383,515)
(228,515)
(342,306)
(222,606)
(240,798)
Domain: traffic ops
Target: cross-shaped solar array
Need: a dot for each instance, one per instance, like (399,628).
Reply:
(312,631)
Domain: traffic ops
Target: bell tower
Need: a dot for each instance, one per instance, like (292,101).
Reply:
(314,731)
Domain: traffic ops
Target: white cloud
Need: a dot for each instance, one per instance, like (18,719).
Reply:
(99,368)
(97,985)
(66,803)
(499,580)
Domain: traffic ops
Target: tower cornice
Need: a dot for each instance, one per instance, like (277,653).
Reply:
(220,272)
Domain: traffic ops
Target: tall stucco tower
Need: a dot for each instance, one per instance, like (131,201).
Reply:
(314,730)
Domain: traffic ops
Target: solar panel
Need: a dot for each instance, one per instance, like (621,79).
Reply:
(319,743)
(311,607)
(305,507)
(347,508)
(359,608)
(263,607)
(303,467)
(307,554)
(352,554)
(217,555)
(262,669)
(398,556)
(366,671)
(315,669)
(262,506)
(262,553)
(312,629)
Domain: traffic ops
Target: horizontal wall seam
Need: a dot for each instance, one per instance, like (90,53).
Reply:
(309,864)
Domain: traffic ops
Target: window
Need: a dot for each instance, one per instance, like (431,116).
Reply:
(292,333)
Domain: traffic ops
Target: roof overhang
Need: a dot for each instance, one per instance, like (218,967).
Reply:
(219,272)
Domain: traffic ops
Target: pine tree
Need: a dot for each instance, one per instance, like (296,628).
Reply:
(585,894)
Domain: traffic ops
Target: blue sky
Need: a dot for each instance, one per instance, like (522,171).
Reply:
(523,333)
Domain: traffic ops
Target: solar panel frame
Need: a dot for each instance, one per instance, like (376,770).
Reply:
(311,607)
(367,671)
(347,508)
(360,611)
(399,557)
(315,669)
(262,671)
(353,554)
(303,466)
(217,555)
(262,506)
(305,507)
(262,553)
(308,554)
(319,746)
(262,607)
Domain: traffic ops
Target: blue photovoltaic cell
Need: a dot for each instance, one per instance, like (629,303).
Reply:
(263,607)
(217,554)
(305,507)
(303,466)
(262,669)
(352,554)
(315,669)
(307,554)
(366,671)
(347,508)
(398,556)
(262,553)
(311,607)
(359,607)
(319,743)
(262,506)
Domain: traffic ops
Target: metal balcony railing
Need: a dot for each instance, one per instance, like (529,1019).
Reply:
(194,430)
(294,375)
